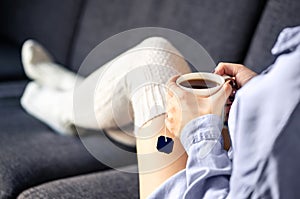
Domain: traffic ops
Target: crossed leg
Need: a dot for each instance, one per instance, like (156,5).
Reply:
(133,82)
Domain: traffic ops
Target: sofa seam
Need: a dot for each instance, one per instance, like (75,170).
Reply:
(254,31)
(76,30)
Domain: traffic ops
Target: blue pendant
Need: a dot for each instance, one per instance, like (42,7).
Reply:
(164,144)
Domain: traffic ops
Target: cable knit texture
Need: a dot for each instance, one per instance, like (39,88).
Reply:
(128,89)
(137,78)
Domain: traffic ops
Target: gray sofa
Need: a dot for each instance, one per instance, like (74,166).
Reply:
(37,163)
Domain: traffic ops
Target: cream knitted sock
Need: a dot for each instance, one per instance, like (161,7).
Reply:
(39,66)
(49,105)
(148,97)
(137,77)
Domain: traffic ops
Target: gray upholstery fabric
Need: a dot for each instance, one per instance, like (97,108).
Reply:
(50,22)
(285,154)
(278,14)
(224,27)
(10,61)
(110,184)
(32,154)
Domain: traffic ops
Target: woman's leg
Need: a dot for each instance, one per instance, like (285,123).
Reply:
(132,82)
(115,88)
(103,99)
(156,167)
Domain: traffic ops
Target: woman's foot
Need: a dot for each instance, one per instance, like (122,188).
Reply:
(39,66)
(51,106)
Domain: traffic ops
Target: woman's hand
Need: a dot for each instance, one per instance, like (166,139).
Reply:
(184,106)
(241,73)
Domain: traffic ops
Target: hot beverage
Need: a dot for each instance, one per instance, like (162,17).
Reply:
(199,84)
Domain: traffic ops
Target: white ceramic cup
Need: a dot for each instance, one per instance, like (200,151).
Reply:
(219,80)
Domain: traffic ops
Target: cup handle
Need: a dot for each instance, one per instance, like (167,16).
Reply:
(227,77)
(232,81)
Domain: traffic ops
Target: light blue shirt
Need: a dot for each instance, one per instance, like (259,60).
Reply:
(264,125)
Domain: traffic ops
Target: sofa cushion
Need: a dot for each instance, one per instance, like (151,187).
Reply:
(31,153)
(51,23)
(109,184)
(10,61)
(224,28)
(277,15)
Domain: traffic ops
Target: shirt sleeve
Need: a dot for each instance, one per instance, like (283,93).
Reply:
(208,167)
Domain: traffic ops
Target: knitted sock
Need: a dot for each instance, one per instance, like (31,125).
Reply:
(39,66)
(164,61)
(136,79)
(49,105)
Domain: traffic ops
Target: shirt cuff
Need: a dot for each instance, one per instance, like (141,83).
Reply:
(207,127)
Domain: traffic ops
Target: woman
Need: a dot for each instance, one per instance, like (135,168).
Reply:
(264,129)
(198,167)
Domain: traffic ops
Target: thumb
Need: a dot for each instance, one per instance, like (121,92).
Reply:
(222,95)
